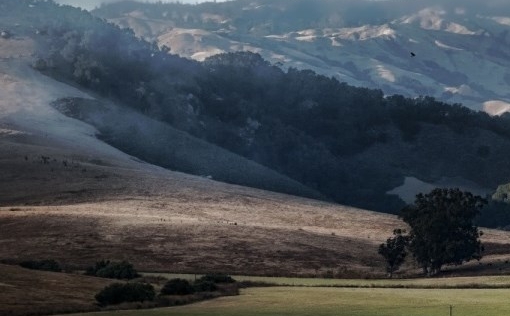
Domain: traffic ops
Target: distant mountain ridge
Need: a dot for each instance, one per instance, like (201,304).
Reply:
(461,48)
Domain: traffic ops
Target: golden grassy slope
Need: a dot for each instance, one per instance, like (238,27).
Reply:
(167,221)
(30,292)
(93,209)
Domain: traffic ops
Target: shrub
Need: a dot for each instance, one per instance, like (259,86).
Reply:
(130,292)
(45,265)
(205,286)
(98,266)
(177,287)
(217,278)
(113,270)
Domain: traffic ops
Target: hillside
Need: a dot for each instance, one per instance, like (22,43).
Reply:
(88,201)
(29,292)
(26,114)
(461,47)
(161,144)
(310,134)
(67,194)
(70,197)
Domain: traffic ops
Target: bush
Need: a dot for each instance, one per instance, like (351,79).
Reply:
(205,286)
(177,287)
(130,292)
(217,278)
(98,266)
(45,265)
(113,270)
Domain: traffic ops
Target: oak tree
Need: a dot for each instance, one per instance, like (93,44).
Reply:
(394,251)
(442,228)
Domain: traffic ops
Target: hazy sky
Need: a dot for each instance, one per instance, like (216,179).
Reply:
(91,4)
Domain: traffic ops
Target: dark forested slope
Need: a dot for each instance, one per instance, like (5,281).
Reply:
(350,144)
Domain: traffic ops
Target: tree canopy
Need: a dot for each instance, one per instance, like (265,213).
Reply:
(394,251)
(442,228)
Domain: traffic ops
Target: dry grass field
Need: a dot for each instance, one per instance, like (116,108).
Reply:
(29,292)
(166,221)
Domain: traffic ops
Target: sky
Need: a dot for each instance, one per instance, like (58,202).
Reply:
(91,4)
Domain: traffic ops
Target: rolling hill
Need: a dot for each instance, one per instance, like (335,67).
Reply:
(68,196)
(66,193)
(460,47)
(29,292)
(237,117)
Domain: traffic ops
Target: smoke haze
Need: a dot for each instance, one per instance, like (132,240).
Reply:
(91,4)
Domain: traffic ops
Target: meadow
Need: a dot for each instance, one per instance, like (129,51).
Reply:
(328,301)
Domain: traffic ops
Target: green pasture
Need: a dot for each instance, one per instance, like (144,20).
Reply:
(330,301)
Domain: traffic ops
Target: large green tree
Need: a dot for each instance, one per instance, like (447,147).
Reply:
(442,228)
